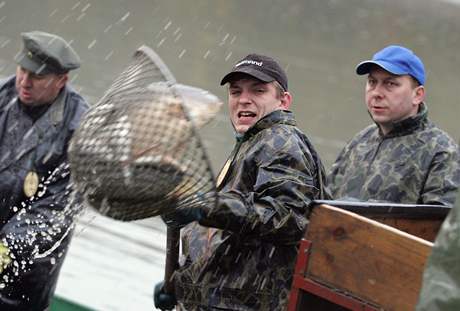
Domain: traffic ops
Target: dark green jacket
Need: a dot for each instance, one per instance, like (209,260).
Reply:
(441,279)
(415,163)
(242,255)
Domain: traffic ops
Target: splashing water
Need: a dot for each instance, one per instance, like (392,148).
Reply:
(90,46)
(38,236)
(76,6)
(86,7)
(125,17)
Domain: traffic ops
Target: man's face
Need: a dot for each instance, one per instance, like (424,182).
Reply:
(249,100)
(391,98)
(35,90)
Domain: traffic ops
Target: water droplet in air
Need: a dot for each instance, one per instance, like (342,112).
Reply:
(92,44)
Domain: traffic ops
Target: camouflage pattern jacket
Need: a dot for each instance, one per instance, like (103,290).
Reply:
(37,229)
(415,163)
(241,256)
(441,278)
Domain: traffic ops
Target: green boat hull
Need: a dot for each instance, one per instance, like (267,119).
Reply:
(60,304)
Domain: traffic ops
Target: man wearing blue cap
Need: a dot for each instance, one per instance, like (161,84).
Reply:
(38,114)
(403,157)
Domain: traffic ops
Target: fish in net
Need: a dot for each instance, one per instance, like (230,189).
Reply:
(137,152)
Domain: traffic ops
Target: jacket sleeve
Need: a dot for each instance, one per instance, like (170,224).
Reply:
(44,221)
(441,279)
(443,178)
(276,209)
(335,176)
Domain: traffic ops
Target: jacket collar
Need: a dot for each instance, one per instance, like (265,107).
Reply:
(409,125)
(56,111)
(45,126)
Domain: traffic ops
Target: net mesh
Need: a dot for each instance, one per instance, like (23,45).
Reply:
(137,153)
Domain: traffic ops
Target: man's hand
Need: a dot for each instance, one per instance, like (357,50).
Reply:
(5,258)
(162,300)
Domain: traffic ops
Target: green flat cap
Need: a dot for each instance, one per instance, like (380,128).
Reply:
(45,53)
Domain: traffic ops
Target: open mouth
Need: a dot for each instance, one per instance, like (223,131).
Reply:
(246,114)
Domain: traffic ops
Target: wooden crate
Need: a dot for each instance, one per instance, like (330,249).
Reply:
(350,262)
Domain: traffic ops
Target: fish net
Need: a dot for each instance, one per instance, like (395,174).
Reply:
(137,152)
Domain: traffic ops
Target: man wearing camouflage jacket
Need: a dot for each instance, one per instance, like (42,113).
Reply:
(403,157)
(241,254)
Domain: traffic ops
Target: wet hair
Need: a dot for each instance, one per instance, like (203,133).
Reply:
(414,82)
(279,89)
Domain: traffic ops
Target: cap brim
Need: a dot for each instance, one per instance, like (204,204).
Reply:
(365,67)
(249,71)
(30,65)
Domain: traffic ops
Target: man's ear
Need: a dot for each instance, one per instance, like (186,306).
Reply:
(286,101)
(62,80)
(419,95)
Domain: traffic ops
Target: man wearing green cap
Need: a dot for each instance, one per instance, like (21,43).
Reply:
(38,115)
(403,157)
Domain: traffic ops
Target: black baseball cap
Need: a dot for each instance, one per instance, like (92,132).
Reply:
(261,67)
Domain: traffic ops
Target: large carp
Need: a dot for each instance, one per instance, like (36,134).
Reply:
(135,149)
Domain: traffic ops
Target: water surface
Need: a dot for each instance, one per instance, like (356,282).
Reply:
(319,43)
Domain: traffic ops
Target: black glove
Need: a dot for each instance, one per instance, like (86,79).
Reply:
(162,300)
(183,216)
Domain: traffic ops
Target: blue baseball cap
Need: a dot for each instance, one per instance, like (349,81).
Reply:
(397,60)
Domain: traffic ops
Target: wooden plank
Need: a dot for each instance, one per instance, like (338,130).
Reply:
(422,220)
(426,229)
(370,260)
